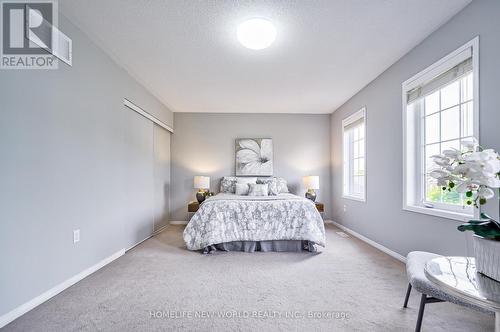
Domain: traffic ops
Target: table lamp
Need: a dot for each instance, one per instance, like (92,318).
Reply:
(202,183)
(311,182)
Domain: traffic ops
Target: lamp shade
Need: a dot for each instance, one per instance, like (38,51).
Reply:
(201,182)
(311,182)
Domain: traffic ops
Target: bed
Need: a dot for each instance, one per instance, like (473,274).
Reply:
(229,222)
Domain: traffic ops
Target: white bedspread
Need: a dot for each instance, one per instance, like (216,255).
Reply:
(228,217)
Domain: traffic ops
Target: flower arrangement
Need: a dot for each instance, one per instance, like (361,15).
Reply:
(474,172)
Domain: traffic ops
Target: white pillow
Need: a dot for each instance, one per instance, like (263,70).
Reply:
(242,189)
(282,185)
(258,189)
(246,180)
(272,185)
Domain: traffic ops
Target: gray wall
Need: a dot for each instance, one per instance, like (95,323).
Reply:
(381,218)
(65,164)
(204,143)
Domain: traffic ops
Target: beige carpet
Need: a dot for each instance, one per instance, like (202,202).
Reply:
(159,285)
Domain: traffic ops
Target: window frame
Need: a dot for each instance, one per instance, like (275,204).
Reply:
(413,192)
(360,114)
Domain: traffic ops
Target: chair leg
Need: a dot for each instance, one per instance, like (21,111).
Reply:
(408,291)
(423,300)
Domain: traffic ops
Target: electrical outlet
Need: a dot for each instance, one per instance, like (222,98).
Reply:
(345,208)
(76,236)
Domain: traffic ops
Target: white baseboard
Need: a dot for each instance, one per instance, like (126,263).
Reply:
(24,308)
(179,222)
(158,231)
(141,241)
(370,242)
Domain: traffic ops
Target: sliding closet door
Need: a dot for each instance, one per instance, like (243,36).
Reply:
(162,177)
(139,178)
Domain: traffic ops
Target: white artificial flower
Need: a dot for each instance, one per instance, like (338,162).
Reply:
(473,156)
(489,154)
(492,166)
(460,169)
(438,174)
(482,164)
(452,154)
(492,182)
(441,160)
(470,144)
(443,177)
(467,185)
(485,193)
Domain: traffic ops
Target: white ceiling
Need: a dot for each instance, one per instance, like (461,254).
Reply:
(186,52)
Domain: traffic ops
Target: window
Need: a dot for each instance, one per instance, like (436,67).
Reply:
(440,112)
(353,129)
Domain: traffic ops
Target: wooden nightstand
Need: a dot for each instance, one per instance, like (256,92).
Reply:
(192,208)
(320,207)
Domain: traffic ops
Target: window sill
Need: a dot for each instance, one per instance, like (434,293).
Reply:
(462,217)
(354,198)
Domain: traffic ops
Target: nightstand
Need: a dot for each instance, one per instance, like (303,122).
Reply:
(192,208)
(320,207)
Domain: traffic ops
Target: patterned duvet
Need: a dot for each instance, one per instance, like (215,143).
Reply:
(228,217)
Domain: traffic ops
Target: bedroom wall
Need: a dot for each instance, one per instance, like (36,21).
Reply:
(381,218)
(65,145)
(204,144)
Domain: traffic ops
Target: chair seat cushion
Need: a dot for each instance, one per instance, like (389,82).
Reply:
(415,265)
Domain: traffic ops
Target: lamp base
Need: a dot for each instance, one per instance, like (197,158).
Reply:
(200,196)
(311,194)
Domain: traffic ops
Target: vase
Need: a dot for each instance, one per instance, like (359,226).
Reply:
(311,194)
(487,254)
(200,196)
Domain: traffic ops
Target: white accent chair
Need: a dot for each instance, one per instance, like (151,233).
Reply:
(415,264)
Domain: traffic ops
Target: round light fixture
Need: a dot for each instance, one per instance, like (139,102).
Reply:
(256,33)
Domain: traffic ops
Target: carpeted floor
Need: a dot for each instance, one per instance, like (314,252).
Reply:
(159,285)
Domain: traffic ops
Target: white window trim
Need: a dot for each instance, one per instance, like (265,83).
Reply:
(361,114)
(425,75)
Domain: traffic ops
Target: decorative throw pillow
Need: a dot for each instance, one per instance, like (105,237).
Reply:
(272,185)
(246,180)
(282,185)
(228,184)
(260,189)
(242,189)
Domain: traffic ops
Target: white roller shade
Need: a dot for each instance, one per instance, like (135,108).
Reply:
(463,68)
(354,124)
(354,120)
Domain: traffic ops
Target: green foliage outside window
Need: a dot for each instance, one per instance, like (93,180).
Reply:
(437,194)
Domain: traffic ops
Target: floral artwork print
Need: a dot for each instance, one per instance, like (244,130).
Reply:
(254,156)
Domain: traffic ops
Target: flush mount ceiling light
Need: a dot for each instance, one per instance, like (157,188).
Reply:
(256,33)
